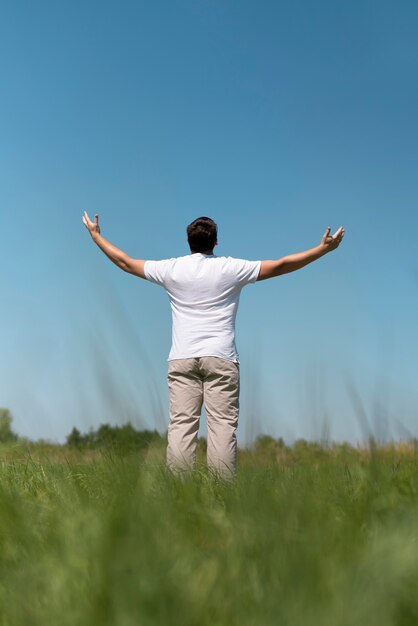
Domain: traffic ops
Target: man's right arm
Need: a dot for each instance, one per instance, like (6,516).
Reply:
(293,262)
(117,256)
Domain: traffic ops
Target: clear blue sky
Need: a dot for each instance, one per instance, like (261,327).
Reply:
(277,119)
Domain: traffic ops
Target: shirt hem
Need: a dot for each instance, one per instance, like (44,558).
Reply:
(197,356)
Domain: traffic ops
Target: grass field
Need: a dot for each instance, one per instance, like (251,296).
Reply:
(307,535)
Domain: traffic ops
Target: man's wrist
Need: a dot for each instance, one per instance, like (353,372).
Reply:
(95,236)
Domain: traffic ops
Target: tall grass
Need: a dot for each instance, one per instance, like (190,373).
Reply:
(305,536)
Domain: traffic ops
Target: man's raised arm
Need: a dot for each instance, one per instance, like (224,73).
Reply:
(120,258)
(293,262)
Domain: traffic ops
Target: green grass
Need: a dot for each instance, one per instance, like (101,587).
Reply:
(305,536)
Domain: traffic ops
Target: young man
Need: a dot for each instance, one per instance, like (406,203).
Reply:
(204,292)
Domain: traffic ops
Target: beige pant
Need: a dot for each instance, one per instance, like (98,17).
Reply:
(191,382)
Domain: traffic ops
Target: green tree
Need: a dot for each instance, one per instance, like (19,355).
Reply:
(6,432)
(75,439)
(122,438)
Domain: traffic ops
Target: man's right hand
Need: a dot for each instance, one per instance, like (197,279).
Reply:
(293,262)
(330,242)
(92,227)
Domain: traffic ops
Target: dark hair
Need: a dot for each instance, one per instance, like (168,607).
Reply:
(202,234)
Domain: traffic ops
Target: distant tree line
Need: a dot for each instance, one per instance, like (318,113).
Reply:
(127,439)
(124,438)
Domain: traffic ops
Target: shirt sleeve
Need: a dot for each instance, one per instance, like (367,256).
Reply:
(246,272)
(155,271)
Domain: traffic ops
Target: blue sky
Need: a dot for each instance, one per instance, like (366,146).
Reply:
(277,120)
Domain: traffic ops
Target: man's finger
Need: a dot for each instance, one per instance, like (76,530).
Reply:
(96,219)
(327,232)
(337,232)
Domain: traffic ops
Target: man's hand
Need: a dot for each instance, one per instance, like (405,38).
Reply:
(330,242)
(117,256)
(92,227)
(293,262)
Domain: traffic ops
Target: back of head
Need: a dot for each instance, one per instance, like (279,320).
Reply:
(202,235)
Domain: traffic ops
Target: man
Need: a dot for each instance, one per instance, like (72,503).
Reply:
(204,292)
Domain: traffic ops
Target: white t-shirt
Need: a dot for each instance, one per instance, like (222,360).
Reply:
(204,292)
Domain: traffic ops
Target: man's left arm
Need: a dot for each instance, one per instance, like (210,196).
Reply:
(117,256)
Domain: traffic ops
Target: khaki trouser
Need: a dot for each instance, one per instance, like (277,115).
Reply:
(191,382)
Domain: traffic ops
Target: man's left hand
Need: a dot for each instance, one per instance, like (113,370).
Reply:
(92,227)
